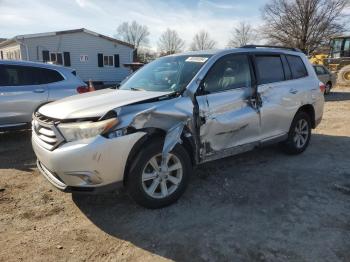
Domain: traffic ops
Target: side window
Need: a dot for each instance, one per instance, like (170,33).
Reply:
(297,66)
(319,70)
(51,76)
(20,75)
(269,68)
(326,71)
(12,75)
(347,48)
(4,76)
(229,72)
(30,76)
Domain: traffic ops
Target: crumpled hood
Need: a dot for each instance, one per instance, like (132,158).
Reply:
(95,104)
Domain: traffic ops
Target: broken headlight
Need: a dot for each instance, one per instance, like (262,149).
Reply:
(117,133)
(87,129)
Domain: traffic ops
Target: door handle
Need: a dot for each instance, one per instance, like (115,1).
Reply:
(293,91)
(39,90)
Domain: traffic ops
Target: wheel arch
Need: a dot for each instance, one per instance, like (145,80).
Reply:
(156,133)
(310,110)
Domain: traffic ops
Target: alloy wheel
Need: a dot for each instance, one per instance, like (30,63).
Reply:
(301,133)
(158,183)
(347,76)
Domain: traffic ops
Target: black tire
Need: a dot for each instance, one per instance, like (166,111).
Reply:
(327,91)
(135,185)
(291,146)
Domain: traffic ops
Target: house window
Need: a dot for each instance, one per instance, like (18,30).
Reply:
(108,60)
(56,58)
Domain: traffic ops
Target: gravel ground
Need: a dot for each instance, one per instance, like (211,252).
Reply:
(258,206)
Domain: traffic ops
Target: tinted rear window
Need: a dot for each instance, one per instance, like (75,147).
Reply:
(13,75)
(269,68)
(51,76)
(297,66)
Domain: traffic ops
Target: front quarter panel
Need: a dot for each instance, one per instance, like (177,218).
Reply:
(162,114)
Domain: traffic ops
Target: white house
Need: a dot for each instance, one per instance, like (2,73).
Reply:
(94,56)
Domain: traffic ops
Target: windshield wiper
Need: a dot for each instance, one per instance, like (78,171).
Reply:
(137,89)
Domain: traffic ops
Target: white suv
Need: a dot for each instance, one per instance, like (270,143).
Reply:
(174,113)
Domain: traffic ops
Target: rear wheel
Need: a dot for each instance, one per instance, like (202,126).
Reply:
(299,134)
(152,187)
(328,88)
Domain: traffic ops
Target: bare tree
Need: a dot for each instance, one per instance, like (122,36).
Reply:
(146,55)
(305,24)
(202,41)
(133,33)
(170,42)
(241,35)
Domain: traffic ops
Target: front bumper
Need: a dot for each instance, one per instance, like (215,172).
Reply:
(87,164)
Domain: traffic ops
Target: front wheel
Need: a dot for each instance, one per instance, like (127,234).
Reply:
(152,187)
(344,75)
(299,134)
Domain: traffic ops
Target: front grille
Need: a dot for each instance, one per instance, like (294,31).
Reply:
(45,129)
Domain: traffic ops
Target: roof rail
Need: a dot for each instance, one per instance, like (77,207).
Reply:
(272,46)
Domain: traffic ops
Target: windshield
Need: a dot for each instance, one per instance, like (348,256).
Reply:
(336,48)
(172,73)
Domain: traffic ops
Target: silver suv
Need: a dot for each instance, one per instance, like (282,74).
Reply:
(24,86)
(174,113)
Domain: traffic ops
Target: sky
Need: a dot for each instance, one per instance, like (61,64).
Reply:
(218,17)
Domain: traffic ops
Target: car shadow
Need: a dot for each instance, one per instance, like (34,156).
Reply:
(255,206)
(337,96)
(16,150)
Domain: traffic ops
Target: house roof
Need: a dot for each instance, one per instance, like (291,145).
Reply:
(341,36)
(80,30)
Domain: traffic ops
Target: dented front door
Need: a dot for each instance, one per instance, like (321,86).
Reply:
(227,118)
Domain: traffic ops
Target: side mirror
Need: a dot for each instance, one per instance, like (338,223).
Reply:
(202,89)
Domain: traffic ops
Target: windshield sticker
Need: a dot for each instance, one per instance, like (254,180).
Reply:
(196,59)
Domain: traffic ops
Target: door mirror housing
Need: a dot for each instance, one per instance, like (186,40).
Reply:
(201,89)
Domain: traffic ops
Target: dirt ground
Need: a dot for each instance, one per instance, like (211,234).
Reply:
(259,206)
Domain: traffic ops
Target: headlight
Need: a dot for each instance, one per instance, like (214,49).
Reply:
(83,130)
(117,133)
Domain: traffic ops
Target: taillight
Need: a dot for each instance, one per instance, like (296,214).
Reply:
(322,87)
(83,89)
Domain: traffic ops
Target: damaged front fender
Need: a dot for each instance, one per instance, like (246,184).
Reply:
(172,138)
(172,116)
